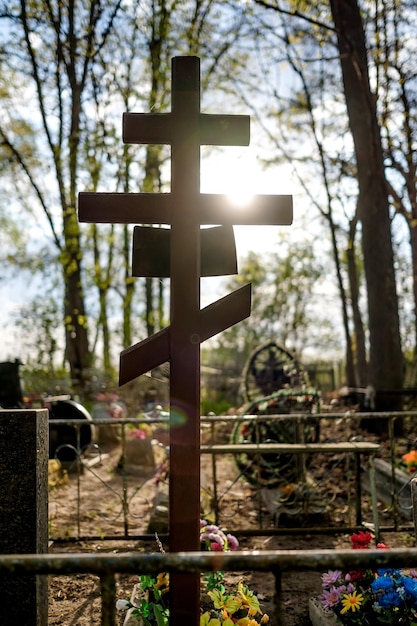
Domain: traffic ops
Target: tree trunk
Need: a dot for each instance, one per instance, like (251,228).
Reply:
(362,376)
(385,367)
(77,350)
(350,367)
(413,239)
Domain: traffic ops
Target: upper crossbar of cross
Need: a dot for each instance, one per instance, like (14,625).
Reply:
(185,128)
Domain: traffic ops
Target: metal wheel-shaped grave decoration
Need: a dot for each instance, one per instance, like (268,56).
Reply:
(269,369)
(275,384)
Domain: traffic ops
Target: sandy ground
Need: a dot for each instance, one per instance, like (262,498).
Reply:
(75,600)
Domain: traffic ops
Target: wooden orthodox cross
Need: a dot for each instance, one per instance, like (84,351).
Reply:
(185,209)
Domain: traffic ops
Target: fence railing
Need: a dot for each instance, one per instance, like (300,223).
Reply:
(105,567)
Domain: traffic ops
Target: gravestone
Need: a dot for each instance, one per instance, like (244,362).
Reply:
(138,457)
(24,512)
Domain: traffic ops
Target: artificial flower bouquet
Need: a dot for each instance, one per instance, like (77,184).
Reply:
(410,461)
(369,598)
(139,433)
(151,603)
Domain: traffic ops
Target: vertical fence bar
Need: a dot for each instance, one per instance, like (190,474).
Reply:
(125,502)
(79,466)
(214,475)
(374,499)
(358,498)
(414,502)
(394,494)
(278,597)
(108,599)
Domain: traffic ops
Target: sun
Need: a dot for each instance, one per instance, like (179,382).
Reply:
(238,172)
(234,172)
(242,194)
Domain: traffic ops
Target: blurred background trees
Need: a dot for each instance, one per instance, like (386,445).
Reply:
(331,93)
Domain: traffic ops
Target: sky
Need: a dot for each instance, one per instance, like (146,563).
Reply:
(233,170)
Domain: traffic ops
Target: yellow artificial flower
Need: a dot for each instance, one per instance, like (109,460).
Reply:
(162,582)
(217,597)
(229,603)
(249,599)
(351,601)
(232,604)
(206,620)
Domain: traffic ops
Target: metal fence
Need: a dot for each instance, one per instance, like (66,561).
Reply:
(309,495)
(105,567)
(214,429)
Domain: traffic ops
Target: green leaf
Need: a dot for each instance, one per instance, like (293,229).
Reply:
(207,620)
(161,617)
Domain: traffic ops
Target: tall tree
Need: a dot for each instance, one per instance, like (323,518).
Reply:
(385,370)
(386,364)
(53,47)
(306,134)
(393,30)
(75,67)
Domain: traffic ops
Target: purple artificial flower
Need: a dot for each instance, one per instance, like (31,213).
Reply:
(233,542)
(330,577)
(216,538)
(211,528)
(331,597)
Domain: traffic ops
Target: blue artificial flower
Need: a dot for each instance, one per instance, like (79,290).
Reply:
(389,572)
(390,600)
(382,583)
(410,586)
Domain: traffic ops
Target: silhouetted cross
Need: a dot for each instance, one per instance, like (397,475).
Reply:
(185,209)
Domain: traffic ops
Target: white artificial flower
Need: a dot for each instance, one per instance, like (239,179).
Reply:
(122,605)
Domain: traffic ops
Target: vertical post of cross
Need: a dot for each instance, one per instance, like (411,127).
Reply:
(184,500)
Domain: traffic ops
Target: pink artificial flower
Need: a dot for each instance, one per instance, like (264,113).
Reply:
(137,434)
(233,542)
(331,597)
(330,577)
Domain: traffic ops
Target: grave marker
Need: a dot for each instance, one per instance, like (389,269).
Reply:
(24,512)
(185,209)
